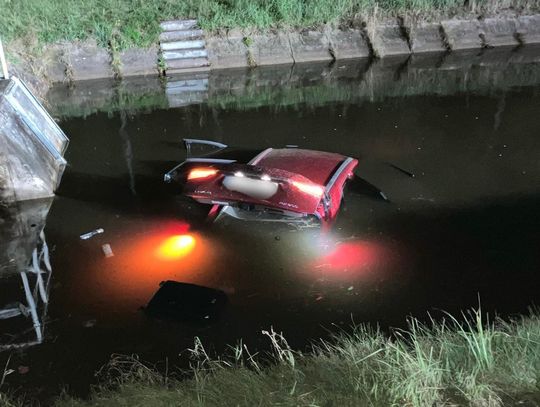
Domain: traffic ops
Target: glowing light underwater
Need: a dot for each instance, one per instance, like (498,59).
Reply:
(176,247)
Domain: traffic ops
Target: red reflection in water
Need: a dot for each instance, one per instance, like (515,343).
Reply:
(352,259)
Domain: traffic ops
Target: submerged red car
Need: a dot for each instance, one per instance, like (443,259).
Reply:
(274,184)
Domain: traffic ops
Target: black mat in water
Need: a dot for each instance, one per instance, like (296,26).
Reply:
(186,302)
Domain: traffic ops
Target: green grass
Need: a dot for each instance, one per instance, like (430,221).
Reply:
(128,23)
(466,361)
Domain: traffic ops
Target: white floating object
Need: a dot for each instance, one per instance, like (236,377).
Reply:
(107,250)
(88,235)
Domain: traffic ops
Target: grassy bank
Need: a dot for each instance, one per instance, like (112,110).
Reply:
(130,23)
(446,363)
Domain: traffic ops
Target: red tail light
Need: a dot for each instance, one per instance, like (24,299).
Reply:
(201,173)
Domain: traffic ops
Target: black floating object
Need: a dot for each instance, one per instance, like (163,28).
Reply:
(408,173)
(362,187)
(186,302)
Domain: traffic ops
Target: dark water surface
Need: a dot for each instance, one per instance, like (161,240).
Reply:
(465,228)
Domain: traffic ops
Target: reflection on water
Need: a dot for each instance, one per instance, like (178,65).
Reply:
(25,274)
(452,143)
(145,254)
(488,72)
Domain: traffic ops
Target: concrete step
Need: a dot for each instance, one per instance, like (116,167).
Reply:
(170,36)
(186,63)
(177,25)
(185,54)
(177,45)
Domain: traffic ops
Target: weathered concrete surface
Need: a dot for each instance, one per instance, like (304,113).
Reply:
(462,34)
(309,46)
(193,64)
(227,52)
(184,54)
(38,85)
(183,35)
(388,40)
(194,43)
(426,37)
(347,44)
(499,32)
(529,29)
(178,25)
(139,62)
(87,61)
(31,146)
(53,63)
(270,49)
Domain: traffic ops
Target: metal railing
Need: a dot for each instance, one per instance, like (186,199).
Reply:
(36,281)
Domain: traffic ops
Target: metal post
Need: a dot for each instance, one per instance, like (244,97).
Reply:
(5,73)
(32,307)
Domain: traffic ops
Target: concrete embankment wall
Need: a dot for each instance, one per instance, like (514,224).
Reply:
(235,48)
(491,72)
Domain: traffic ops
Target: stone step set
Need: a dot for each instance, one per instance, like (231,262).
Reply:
(182,46)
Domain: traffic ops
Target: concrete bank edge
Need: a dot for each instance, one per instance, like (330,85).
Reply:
(85,60)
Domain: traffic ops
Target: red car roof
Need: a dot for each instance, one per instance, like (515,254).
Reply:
(317,166)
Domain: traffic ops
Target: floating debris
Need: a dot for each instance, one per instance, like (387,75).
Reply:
(23,369)
(107,250)
(90,323)
(86,236)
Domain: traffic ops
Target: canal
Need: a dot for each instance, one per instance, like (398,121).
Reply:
(452,141)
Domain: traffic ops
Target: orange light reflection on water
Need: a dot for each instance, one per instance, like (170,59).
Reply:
(162,252)
(176,247)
